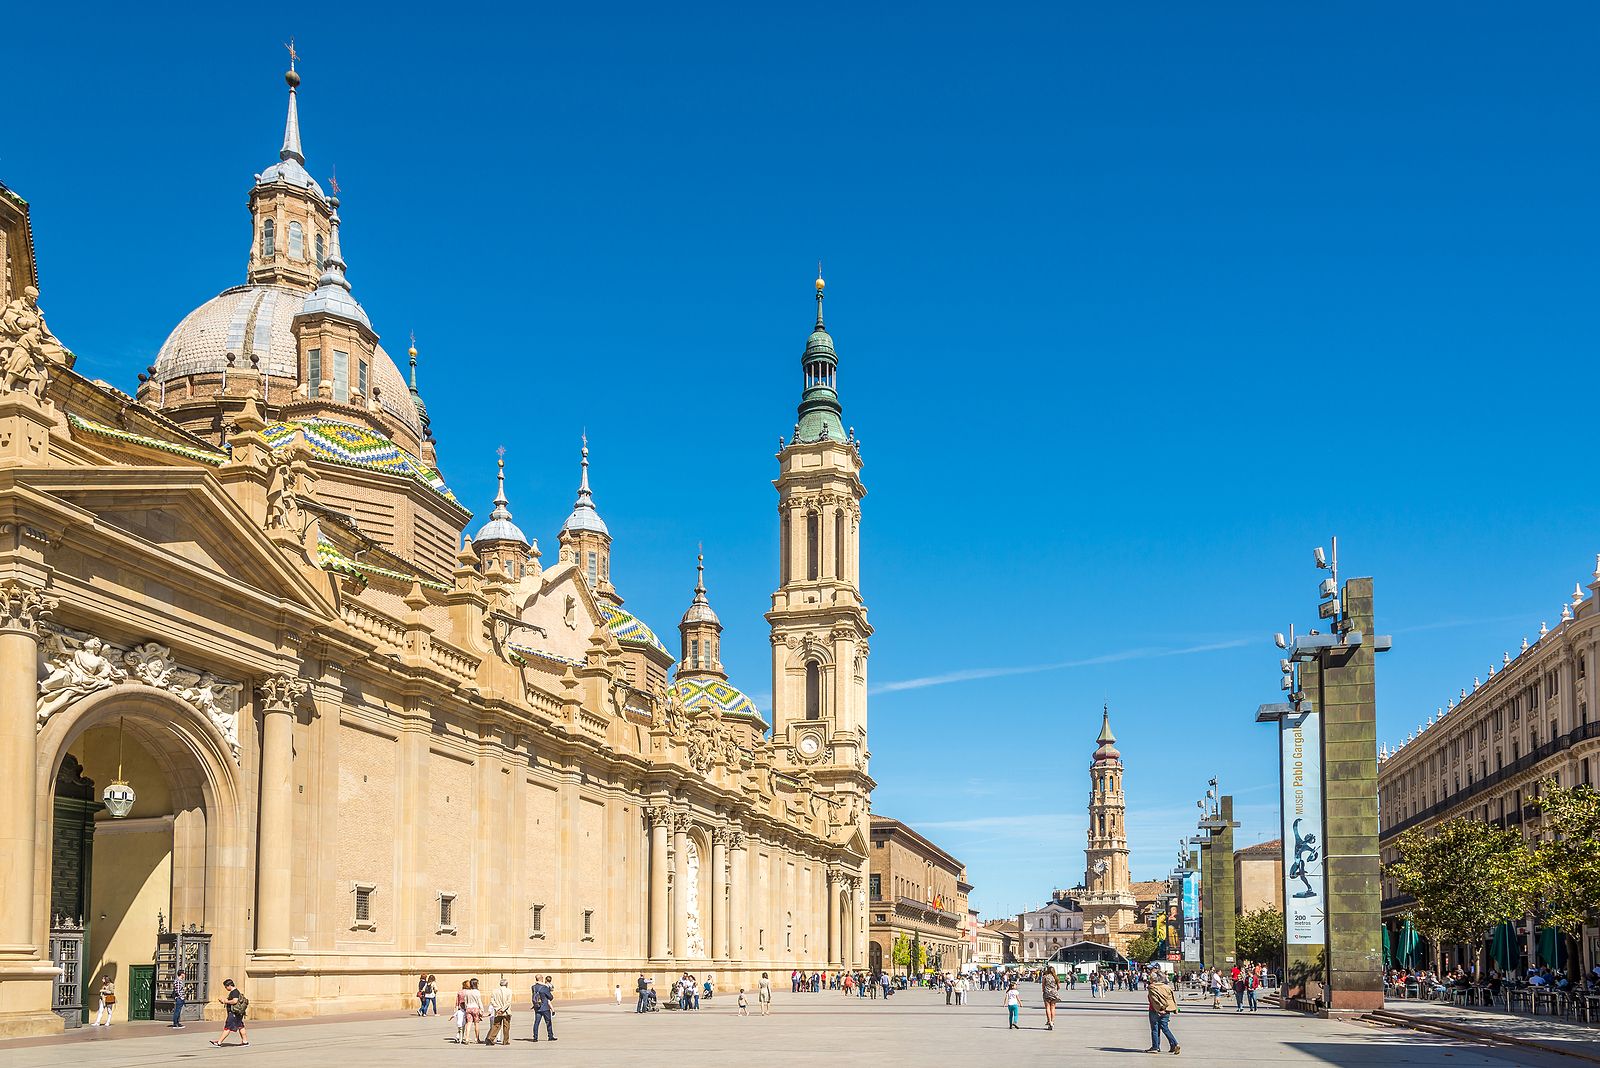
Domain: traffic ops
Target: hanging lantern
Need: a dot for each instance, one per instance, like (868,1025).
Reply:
(119,796)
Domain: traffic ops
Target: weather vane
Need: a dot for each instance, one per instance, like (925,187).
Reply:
(333,183)
(501,451)
(294,56)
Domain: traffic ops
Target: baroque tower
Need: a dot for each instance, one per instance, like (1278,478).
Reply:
(819,626)
(1108,904)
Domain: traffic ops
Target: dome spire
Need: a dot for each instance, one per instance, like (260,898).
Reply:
(1106,737)
(819,403)
(291,126)
(584,516)
(501,511)
(821,285)
(332,295)
(500,527)
(413,354)
(700,577)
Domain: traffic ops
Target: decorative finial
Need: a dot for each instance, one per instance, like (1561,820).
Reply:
(821,285)
(291,125)
(413,354)
(1543,630)
(1597,566)
(1577,594)
(1566,612)
(700,574)
(1524,643)
(1505,658)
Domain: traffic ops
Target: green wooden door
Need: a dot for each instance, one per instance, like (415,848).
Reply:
(141,992)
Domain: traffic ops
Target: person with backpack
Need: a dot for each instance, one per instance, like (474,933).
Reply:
(544,996)
(236,1006)
(1163,1003)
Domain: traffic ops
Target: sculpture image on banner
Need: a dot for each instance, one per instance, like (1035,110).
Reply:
(1304,916)
(1190,896)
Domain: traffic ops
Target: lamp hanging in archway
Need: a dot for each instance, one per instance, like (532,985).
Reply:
(119,796)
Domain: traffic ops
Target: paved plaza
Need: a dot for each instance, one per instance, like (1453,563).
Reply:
(805,1029)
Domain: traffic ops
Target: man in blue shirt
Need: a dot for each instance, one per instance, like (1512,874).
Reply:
(544,996)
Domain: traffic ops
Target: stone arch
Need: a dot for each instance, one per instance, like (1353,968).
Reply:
(696,901)
(212,850)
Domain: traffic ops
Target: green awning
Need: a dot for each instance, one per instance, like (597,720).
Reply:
(1387,958)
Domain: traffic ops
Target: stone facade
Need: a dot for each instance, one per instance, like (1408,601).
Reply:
(1056,924)
(1258,876)
(918,892)
(1528,719)
(361,748)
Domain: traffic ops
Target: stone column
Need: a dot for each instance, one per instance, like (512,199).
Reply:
(680,903)
(830,900)
(738,898)
(276,840)
(719,894)
(22,607)
(659,818)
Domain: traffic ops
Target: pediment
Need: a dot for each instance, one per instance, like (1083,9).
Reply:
(562,614)
(183,518)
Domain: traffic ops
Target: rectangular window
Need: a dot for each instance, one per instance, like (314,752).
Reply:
(341,376)
(875,884)
(1584,768)
(838,545)
(694,652)
(536,921)
(363,907)
(783,550)
(447,913)
(812,548)
(313,370)
(361,378)
(594,570)
(588,925)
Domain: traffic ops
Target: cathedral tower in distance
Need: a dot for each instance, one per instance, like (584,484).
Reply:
(1108,904)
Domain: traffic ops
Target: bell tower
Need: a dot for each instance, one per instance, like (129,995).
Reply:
(819,622)
(1108,905)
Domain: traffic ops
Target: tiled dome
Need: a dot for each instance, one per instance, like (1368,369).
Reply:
(628,628)
(257,320)
(705,692)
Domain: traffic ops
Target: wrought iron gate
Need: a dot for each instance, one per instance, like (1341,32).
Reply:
(187,950)
(66,953)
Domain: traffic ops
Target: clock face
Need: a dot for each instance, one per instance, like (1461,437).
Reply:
(1099,867)
(809,744)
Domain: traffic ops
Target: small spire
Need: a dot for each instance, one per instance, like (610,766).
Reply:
(500,501)
(700,576)
(1106,737)
(333,265)
(584,516)
(583,482)
(821,285)
(291,126)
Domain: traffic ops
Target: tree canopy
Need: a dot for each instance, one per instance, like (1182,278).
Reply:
(1258,936)
(1467,877)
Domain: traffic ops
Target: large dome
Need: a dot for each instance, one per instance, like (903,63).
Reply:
(257,320)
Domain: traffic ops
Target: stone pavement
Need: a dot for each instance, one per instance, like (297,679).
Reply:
(1578,1040)
(805,1029)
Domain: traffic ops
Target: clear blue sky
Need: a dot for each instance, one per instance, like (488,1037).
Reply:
(1112,286)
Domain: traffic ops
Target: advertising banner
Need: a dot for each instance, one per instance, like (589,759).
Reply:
(1303,887)
(1189,895)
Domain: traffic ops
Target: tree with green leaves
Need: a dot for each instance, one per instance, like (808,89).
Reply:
(1141,949)
(1467,878)
(1258,937)
(1568,865)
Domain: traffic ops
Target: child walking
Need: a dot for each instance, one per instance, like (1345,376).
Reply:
(744,1005)
(1012,1006)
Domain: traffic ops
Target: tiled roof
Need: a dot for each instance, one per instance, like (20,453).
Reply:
(714,693)
(1272,848)
(205,456)
(539,654)
(1148,891)
(357,446)
(630,629)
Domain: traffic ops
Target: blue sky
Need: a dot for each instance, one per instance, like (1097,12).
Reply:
(1134,304)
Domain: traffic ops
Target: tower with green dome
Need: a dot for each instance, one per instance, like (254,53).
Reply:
(819,403)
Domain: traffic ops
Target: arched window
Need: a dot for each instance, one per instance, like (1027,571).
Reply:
(269,239)
(813,690)
(318,246)
(812,535)
(783,549)
(297,241)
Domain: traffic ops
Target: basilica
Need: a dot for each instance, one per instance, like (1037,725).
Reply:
(274,707)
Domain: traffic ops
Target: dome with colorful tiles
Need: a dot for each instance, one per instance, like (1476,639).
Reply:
(356,446)
(629,629)
(705,692)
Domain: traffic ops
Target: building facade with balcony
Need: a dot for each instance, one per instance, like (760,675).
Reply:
(1530,718)
(916,892)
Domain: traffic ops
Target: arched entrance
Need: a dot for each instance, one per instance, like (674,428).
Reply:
(174,863)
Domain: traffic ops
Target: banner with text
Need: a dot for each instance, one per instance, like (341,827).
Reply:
(1303,888)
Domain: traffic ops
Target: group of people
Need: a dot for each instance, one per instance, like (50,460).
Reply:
(1160,997)
(1242,980)
(472,1009)
(1398,982)
(687,992)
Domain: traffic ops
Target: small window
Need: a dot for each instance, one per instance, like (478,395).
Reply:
(694,652)
(361,377)
(594,569)
(588,925)
(269,239)
(812,537)
(447,913)
(313,370)
(536,921)
(341,376)
(317,244)
(297,241)
(363,920)
(783,550)
(813,690)
(838,545)
(875,886)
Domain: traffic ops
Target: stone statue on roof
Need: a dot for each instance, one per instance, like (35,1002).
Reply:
(28,350)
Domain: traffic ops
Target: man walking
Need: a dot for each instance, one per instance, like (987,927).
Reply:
(180,990)
(644,993)
(500,1013)
(544,996)
(1163,1003)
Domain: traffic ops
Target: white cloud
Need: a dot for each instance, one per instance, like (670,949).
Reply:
(971,674)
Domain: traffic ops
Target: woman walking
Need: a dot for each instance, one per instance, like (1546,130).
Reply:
(1013,1006)
(764,995)
(235,1005)
(422,994)
(1052,993)
(108,998)
(474,1008)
